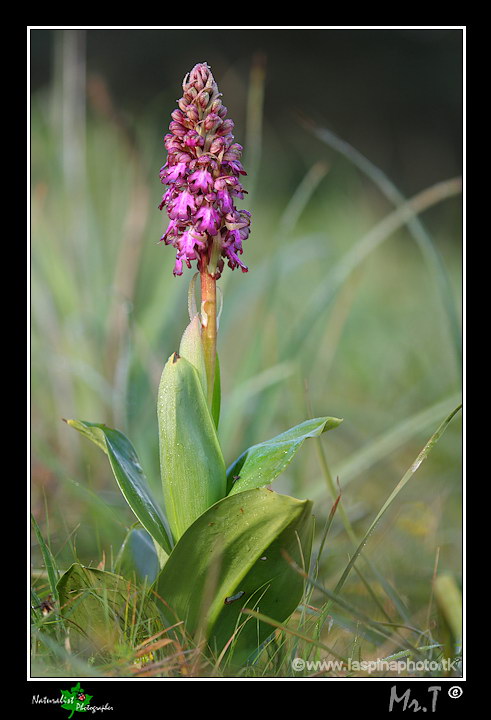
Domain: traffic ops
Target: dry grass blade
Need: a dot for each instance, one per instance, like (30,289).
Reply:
(154,646)
(154,637)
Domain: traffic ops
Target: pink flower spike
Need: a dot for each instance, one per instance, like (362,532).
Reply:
(202,172)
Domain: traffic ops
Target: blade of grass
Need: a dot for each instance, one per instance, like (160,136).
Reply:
(354,540)
(49,561)
(327,527)
(405,479)
(386,443)
(414,224)
(449,599)
(375,625)
(300,198)
(254,119)
(291,631)
(432,592)
(361,249)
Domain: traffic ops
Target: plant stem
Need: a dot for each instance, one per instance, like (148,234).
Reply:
(209,324)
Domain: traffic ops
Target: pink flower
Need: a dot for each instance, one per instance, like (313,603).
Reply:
(208,219)
(174,173)
(200,180)
(178,266)
(183,206)
(171,232)
(190,243)
(225,201)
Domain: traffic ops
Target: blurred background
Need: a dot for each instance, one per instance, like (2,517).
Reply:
(338,315)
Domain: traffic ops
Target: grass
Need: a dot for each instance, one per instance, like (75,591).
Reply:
(350,308)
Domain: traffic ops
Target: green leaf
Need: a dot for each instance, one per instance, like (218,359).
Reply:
(231,558)
(130,478)
(191,460)
(191,348)
(217,394)
(103,608)
(262,463)
(138,554)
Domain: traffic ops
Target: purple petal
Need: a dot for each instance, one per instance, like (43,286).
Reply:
(200,180)
(182,206)
(208,220)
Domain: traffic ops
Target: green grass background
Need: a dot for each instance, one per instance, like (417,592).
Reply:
(378,349)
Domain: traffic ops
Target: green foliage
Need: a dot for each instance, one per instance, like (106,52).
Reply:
(191,348)
(260,464)
(130,478)
(231,558)
(228,549)
(191,460)
(100,608)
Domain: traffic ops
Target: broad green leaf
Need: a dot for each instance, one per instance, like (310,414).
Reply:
(130,478)
(262,463)
(103,609)
(232,557)
(191,460)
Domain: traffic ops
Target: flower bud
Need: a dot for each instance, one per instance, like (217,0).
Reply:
(203,99)
(212,121)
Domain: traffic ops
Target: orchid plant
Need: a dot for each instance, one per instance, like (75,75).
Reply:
(225,541)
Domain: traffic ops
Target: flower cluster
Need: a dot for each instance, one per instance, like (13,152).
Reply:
(202,171)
